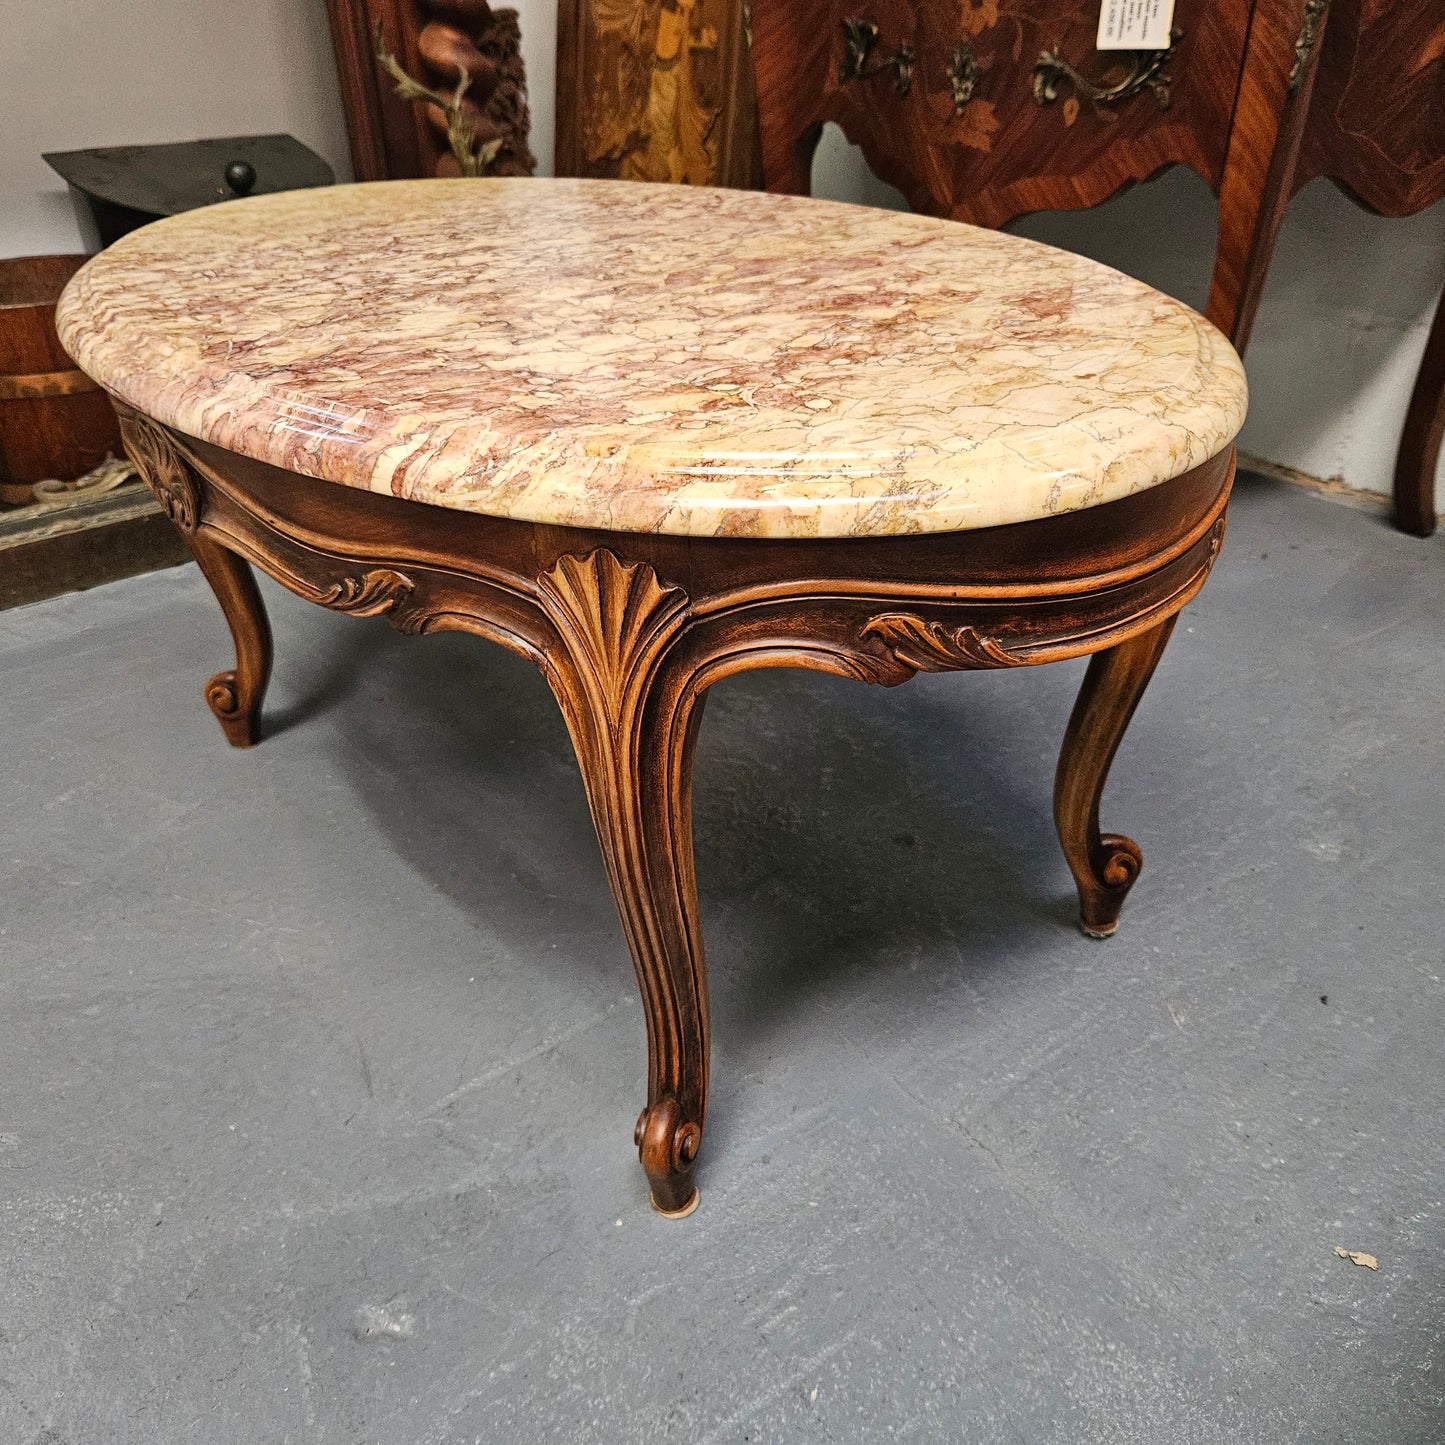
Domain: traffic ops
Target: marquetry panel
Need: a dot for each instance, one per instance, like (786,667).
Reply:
(655,92)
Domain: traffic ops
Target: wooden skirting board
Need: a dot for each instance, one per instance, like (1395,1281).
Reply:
(1335,488)
(45,552)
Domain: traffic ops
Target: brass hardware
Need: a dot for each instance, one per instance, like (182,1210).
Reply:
(963,73)
(1146,73)
(1304,45)
(859,38)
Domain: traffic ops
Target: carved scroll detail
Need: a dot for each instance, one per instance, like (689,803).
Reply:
(374,592)
(163,469)
(1146,72)
(612,615)
(925,646)
(223,696)
(377,592)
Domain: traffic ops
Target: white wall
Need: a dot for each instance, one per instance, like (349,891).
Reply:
(1335,348)
(133,72)
(122,72)
(1339,334)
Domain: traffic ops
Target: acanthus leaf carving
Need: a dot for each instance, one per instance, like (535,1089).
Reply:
(379,591)
(923,646)
(163,469)
(612,617)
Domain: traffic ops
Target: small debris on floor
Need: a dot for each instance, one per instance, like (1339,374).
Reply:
(1355,1257)
(391,1321)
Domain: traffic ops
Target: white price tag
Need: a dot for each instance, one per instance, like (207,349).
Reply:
(1134,24)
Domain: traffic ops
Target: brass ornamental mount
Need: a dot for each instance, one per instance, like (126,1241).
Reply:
(1309,33)
(963,74)
(859,38)
(1146,72)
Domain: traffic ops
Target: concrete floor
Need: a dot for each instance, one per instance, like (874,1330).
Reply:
(319,1063)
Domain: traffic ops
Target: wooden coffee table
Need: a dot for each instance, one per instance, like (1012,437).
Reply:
(649,437)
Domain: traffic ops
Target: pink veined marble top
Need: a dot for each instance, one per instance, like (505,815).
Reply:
(655,358)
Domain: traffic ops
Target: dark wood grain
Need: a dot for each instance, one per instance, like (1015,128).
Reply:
(1001,154)
(387,140)
(1377,120)
(54,421)
(392,139)
(1260,166)
(1377,127)
(632,629)
(1420,442)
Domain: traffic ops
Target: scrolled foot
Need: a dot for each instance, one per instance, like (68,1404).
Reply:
(1104,865)
(241,723)
(1117,866)
(235,695)
(668,1144)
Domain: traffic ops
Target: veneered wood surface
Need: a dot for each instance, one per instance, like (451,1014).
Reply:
(1002,154)
(1264,140)
(1377,119)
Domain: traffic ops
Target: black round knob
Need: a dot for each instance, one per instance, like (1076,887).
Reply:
(240,176)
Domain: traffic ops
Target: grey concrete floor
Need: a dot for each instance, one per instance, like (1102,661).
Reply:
(319,1063)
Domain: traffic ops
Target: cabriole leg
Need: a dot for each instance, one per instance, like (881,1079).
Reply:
(633,716)
(235,696)
(1104,865)
(1421,439)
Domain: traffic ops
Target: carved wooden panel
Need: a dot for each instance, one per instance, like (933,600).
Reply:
(978,130)
(1377,119)
(656,90)
(392,139)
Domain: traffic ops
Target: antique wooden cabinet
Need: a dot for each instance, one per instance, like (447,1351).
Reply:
(953,103)
(994,108)
(982,110)
(656,91)
(1377,126)
(434,40)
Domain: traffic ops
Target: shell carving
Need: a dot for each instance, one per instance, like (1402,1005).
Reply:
(613,618)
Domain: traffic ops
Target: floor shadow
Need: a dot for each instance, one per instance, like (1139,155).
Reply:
(841,831)
(310,681)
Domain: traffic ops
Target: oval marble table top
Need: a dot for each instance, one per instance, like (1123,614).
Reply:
(655,358)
